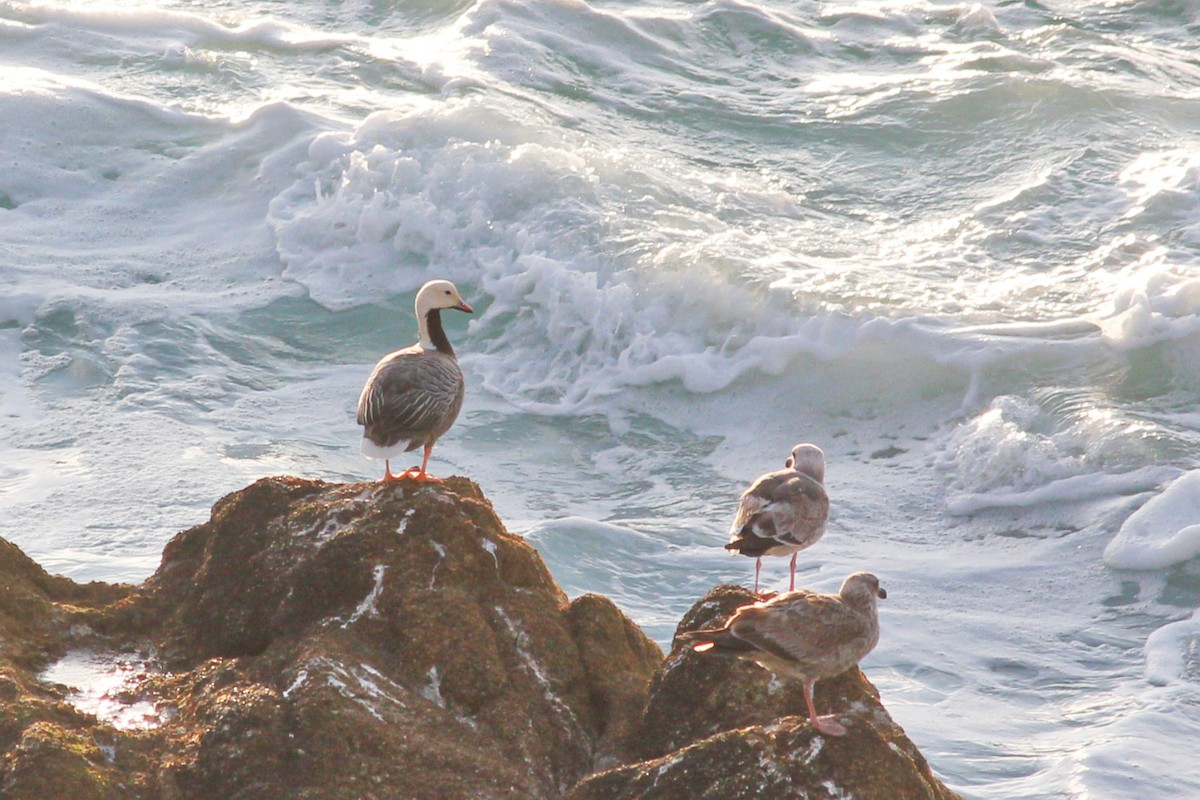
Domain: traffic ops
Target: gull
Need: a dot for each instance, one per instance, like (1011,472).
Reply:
(802,634)
(782,512)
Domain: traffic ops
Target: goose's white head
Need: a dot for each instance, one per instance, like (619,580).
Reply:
(431,300)
(808,459)
(439,295)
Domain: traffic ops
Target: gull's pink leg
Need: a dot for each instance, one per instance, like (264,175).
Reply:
(826,723)
(757,568)
(792,585)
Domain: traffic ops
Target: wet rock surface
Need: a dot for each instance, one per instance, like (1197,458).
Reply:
(316,640)
(724,728)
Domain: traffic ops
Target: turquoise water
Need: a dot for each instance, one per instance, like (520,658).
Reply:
(954,244)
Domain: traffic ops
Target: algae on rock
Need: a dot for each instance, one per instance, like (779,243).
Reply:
(329,641)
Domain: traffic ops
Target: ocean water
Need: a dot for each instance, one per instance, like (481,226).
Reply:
(955,244)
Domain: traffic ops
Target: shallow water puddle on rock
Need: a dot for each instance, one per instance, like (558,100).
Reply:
(102,684)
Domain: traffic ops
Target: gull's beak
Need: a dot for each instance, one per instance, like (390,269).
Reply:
(462,306)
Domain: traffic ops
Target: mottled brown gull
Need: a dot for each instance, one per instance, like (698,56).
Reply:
(803,634)
(414,395)
(783,512)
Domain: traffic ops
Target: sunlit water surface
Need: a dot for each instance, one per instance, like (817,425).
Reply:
(954,244)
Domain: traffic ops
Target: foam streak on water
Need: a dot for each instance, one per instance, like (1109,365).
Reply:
(955,244)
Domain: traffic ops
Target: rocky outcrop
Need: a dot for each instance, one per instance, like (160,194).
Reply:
(725,728)
(331,641)
(47,748)
(391,641)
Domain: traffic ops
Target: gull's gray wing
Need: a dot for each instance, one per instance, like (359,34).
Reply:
(810,629)
(757,496)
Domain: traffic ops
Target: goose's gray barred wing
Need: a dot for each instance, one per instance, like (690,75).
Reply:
(410,392)
(813,628)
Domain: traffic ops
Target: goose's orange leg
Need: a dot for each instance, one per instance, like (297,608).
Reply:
(412,473)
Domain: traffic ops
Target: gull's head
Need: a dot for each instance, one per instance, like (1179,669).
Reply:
(808,459)
(862,588)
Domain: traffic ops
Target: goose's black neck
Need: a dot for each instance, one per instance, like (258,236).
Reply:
(437,334)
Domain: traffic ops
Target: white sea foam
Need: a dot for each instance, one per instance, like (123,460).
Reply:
(375,207)
(1065,490)
(150,26)
(1020,453)
(1163,532)
(1167,649)
(693,236)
